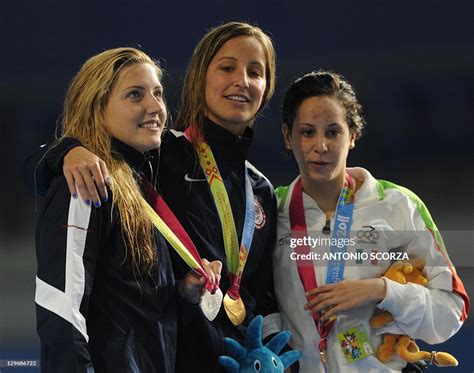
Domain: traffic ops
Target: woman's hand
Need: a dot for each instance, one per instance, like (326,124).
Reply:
(345,295)
(87,172)
(193,283)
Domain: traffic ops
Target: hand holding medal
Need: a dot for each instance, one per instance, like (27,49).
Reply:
(322,309)
(204,289)
(202,271)
(330,299)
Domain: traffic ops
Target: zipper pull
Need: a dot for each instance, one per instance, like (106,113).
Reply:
(327,227)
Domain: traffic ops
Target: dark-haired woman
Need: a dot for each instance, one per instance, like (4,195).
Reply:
(326,296)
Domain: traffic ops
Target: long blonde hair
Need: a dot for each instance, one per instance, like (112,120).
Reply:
(83,118)
(193,106)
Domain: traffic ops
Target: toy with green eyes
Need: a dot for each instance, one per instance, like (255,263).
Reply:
(254,356)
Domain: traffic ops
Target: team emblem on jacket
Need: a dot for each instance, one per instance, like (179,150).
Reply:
(260,217)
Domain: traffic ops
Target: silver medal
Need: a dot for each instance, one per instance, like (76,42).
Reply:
(211,303)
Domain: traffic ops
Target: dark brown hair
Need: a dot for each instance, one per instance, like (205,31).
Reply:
(323,83)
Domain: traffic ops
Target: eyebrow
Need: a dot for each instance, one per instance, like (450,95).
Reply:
(235,59)
(313,125)
(141,87)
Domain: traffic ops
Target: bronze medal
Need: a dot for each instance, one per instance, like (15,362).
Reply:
(324,360)
(235,309)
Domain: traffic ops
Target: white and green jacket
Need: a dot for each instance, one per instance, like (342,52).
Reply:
(387,218)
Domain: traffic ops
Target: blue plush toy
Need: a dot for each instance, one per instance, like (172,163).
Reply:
(254,356)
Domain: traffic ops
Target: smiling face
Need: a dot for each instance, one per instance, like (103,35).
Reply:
(235,83)
(135,112)
(320,139)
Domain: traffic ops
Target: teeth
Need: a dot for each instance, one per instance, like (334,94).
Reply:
(149,125)
(237,98)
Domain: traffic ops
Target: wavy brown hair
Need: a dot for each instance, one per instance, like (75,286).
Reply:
(83,118)
(193,106)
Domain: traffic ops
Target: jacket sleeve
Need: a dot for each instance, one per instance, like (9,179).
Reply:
(435,312)
(45,163)
(67,245)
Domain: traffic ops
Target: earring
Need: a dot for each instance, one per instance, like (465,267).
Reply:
(288,146)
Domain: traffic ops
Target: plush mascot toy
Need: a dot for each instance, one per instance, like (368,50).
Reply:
(254,356)
(403,272)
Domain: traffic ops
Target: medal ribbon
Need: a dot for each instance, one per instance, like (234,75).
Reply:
(306,270)
(342,229)
(169,226)
(235,257)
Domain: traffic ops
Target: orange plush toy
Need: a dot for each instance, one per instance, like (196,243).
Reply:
(403,272)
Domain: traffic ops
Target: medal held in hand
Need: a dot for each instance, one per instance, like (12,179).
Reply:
(172,230)
(210,303)
(344,210)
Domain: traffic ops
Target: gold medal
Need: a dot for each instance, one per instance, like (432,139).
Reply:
(235,309)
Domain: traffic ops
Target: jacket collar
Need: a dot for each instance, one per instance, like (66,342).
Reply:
(140,162)
(368,191)
(225,145)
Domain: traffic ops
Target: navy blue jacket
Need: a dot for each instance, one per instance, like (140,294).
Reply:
(94,314)
(184,186)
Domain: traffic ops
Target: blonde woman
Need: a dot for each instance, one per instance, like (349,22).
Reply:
(105,289)
(229,80)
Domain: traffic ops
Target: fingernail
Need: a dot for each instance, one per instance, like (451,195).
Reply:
(88,202)
(97,204)
(74,195)
(105,199)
